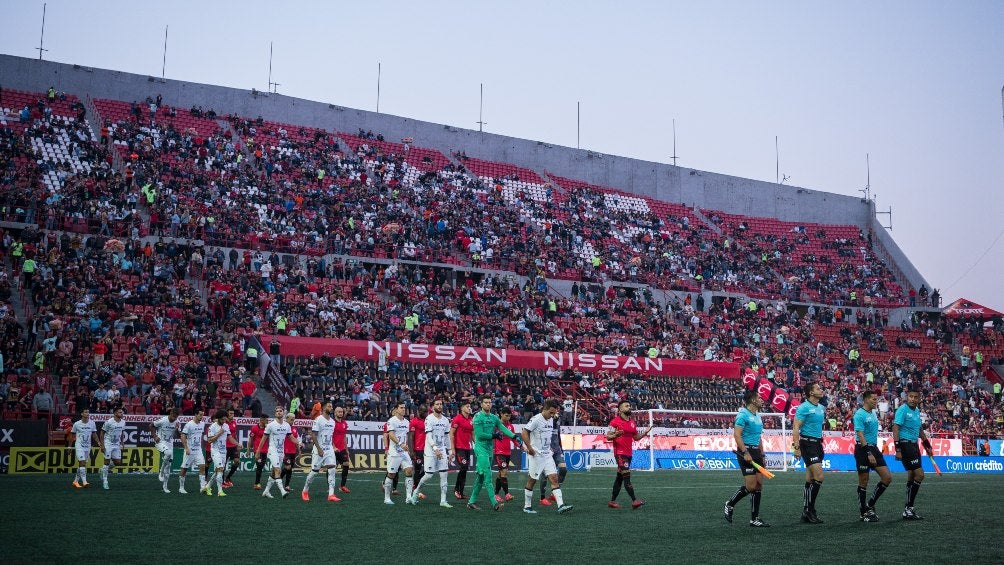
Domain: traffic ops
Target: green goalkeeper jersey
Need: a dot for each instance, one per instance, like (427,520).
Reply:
(484,430)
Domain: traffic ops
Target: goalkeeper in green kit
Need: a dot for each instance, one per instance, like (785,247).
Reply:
(487,427)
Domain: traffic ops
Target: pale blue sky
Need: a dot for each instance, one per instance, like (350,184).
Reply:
(915,84)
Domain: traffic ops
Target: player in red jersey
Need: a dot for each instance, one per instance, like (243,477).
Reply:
(290,451)
(416,443)
(255,442)
(233,448)
(341,448)
(623,433)
(503,454)
(461,431)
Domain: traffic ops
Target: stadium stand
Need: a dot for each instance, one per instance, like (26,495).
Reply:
(157,264)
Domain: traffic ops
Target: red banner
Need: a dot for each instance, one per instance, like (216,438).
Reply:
(507,358)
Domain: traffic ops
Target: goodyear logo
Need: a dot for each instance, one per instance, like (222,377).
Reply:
(28,460)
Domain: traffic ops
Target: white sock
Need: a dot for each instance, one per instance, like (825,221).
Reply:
(422,481)
(332,480)
(444,485)
(527,498)
(557,497)
(310,479)
(104,473)
(219,482)
(271,481)
(202,481)
(387,484)
(181,482)
(282,487)
(82,474)
(409,487)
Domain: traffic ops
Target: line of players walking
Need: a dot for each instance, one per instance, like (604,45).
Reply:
(424,446)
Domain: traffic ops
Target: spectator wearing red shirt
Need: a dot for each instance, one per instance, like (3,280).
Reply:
(623,433)
(99,353)
(248,389)
(254,442)
(416,442)
(461,430)
(290,451)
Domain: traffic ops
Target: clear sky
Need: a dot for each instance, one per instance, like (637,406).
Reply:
(917,85)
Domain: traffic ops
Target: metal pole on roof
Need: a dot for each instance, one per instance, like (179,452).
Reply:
(481,110)
(777,162)
(674,142)
(269,67)
(578,125)
(41,40)
(379,71)
(163,65)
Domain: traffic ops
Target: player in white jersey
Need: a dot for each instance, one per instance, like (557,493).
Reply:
(323,453)
(537,439)
(164,431)
(195,456)
(217,438)
(437,452)
(84,432)
(275,435)
(397,454)
(111,440)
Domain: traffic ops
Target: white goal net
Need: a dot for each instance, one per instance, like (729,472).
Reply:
(699,440)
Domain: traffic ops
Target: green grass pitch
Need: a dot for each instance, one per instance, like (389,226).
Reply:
(48,521)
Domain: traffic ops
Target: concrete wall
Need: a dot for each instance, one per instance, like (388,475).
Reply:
(664,182)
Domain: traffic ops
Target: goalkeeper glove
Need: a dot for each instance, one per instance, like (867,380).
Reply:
(518,440)
(497,435)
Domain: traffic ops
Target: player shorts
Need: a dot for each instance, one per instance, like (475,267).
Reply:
(342,456)
(861,453)
(84,454)
(812,450)
(502,460)
(166,450)
(325,459)
(233,452)
(219,459)
(113,452)
(909,454)
(541,464)
(463,458)
(419,460)
(398,461)
(193,460)
(275,459)
(623,462)
(288,459)
(747,469)
(435,464)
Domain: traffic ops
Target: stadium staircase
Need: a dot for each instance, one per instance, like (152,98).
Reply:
(590,408)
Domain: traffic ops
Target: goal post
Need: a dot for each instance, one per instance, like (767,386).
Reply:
(695,439)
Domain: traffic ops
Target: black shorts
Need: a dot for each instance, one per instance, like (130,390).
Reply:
(909,454)
(502,460)
(288,459)
(463,458)
(623,462)
(233,452)
(812,450)
(418,461)
(342,456)
(861,453)
(559,459)
(748,469)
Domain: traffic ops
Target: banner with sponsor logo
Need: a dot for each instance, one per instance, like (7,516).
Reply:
(30,460)
(508,358)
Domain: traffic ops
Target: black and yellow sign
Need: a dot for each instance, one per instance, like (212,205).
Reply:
(28,460)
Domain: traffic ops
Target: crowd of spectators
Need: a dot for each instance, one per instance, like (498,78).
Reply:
(166,322)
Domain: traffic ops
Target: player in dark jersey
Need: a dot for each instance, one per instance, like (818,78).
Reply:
(416,443)
(623,433)
(558,454)
(233,448)
(503,456)
(342,456)
(258,449)
(461,432)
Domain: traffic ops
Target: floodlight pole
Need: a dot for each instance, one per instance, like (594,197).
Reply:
(578,125)
(41,40)
(777,162)
(674,142)
(481,110)
(163,65)
(379,71)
